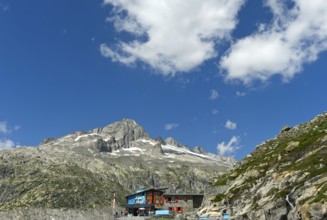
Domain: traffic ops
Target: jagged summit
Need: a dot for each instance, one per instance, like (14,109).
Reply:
(126,129)
(198,149)
(127,137)
(172,141)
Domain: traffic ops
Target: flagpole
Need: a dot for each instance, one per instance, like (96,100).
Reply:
(114,206)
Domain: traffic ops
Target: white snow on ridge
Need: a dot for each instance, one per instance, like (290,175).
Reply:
(167,155)
(147,141)
(133,149)
(85,135)
(184,151)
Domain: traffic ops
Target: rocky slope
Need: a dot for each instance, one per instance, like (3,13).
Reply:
(82,170)
(284,178)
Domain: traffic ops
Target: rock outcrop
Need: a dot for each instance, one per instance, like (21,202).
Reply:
(284,178)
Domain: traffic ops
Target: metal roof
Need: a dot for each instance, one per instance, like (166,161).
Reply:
(147,190)
(183,194)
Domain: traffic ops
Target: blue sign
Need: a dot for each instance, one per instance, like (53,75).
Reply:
(162,212)
(225,216)
(136,199)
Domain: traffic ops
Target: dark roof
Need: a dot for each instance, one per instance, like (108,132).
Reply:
(183,194)
(147,190)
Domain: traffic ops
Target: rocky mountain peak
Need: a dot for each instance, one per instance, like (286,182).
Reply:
(199,150)
(127,129)
(173,142)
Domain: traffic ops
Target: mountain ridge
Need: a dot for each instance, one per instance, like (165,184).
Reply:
(83,169)
(121,134)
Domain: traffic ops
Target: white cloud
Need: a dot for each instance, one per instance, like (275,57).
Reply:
(214,111)
(3,127)
(171,126)
(171,36)
(240,94)
(296,36)
(213,94)
(230,147)
(230,125)
(6,144)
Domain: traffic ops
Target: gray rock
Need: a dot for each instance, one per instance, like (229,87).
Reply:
(172,141)
(284,178)
(82,170)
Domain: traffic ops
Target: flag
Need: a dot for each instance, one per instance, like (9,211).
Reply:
(114,205)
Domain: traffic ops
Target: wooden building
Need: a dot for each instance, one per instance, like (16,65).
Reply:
(144,202)
(179,203)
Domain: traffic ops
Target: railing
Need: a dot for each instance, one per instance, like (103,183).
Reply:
(132,218)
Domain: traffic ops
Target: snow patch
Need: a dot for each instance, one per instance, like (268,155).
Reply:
(169,155)
(147,141)
(133,149)
(169,147)
(85,135)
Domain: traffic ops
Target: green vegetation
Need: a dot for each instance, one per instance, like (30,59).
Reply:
(219,198)
(295,151)
(55,186)
(272,191)
(322,195)
(222,181)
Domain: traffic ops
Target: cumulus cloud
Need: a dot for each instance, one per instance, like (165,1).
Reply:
(6,144)
(170,36)
(3,127)
(230,147)
(230,125)
(213,94)
(171,126)
(296,36)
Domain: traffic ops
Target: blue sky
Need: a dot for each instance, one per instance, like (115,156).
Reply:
(223,75)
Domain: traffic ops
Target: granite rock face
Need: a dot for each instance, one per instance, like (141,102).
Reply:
(80,172)
(284,178)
